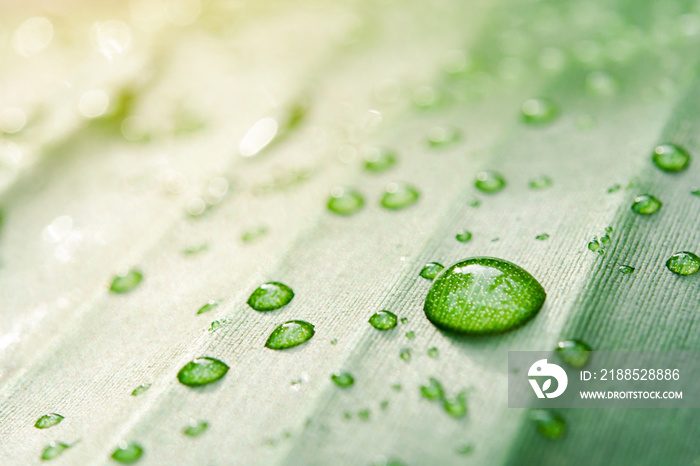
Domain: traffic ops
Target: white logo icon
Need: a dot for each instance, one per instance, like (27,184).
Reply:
(542,369)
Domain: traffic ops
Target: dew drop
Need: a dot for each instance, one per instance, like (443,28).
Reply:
(343,379)
(489,181)
(574,353)
(410,335)
(290,334)
(399,196)
(443,136)
(646,204)
(431,270)
(345,201)
(379,159)
(128,453)
(125,283)
(540,182)
(671,158)
(48,420)
(683,263)
(383,320)
(456,407)
(433,390)
(433,353)
(254,233)
(141,389)
(208,306)
(593,245)
(626,269)
(483,295)
(202,371)
(549,424)
(53,450)
(463,236)
(270,296)
(195,429)
(405,354)
(605,239)
(539,111)
(542,237)
(259,136)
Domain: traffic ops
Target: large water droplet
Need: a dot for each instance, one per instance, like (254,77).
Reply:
(671,158)
(127,282)
(483,295)
(489,181)
(290,334)
(431,270)
(399,195)
(383,320)
(549,424)
(575,353)
(433,390)
(646,204)
(195,429)
(270,296)
(53,450)
(202,371)
(683,263)
(48,420)
(539,111)
(345,201)
(128,453)
(343,379)
(379,159)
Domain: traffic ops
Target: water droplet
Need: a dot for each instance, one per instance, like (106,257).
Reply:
(456,407)
(671,158)
(646,204)
(410,335)
(465,449)
(364,414)
(290,334)
(608,229)
(192,250)
(383,320)
(483,295)
(575,353)
(345,201)
(384,405)
(431,270)
(540,182)
(593,245)
(433,353)
(128,453)
(614,188)
(343,379)
(379,159)
(605,239)
(443,136)
(549,424)
(208,306)
(125,283)
(539,111)
(53,450)
(405,354)
(334,341)
(404,320)
(399,195)
(489,181)
(695,192)
(396,387)
(140,389)
(683,263)
(626,269)
(254,233)
(202,371)
(542,237)
(48,420)
(258,137)
(270,296)
(432,391)
(195,429)
(463,236)
(425,97)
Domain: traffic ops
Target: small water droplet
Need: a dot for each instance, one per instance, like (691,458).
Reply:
(614,188)
(646,204)
(259,136)
(443,136)
(254,233)
(433,390)
(489,181)
(399,196)
(456,407)
(141,389)
(384,405)
(404,320)
(334,341)
(53,450)
(671,158)
(202,371)
(405,354)
(192,250)
(343,379)
(542,237)
(575,353)
(128,453)
(593,244)
(483,295)
(396,387)
(126,282)
(345,201)
(465,449)
(605,239)
(540,182)
(379,159)
(463,236)
(383,320)
(195,429)
(270,296)
(431,270)
(626,269)
(695,192)
(608,229)
(290,334)
(410,335)
(363,414)
(549,424)
(433,353)
(48,420)
(683,263)
(539,111)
